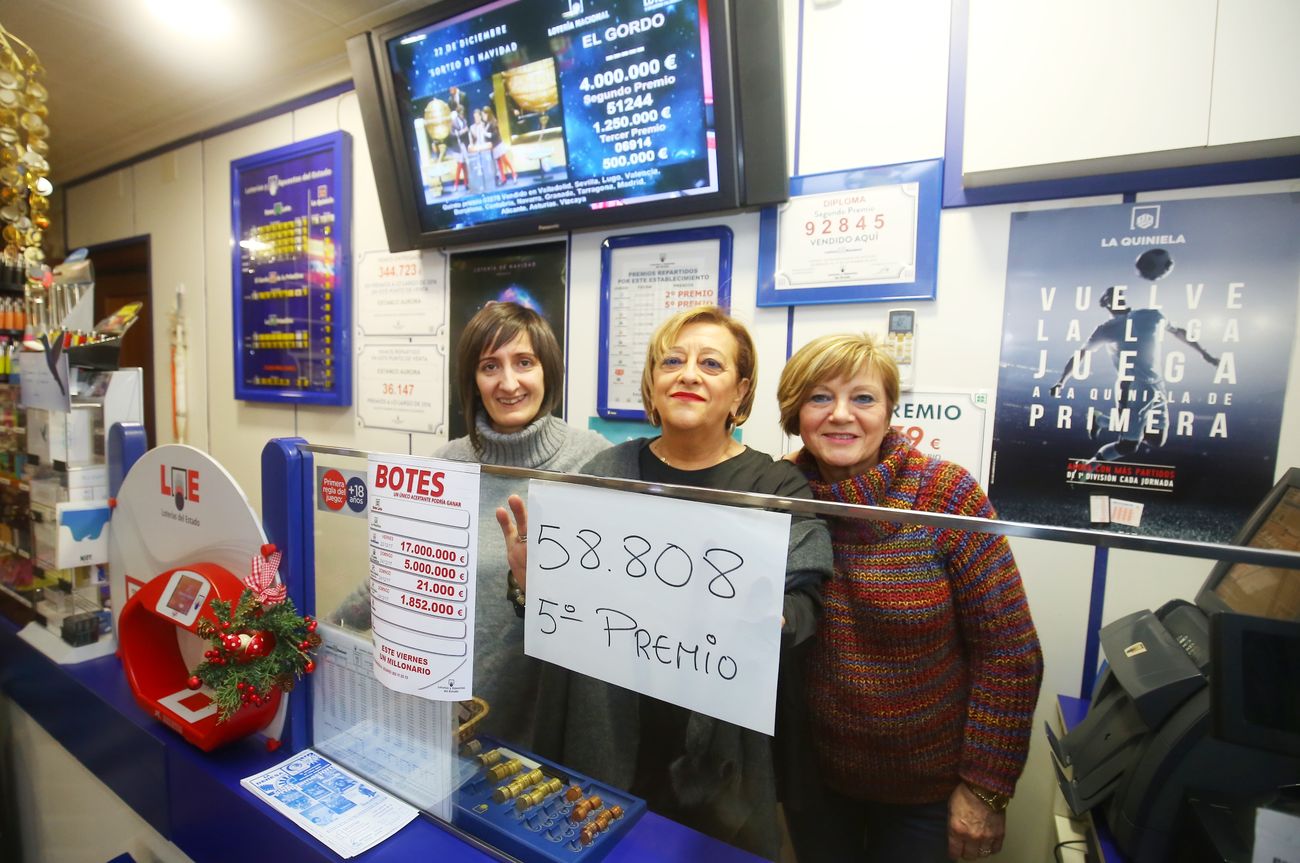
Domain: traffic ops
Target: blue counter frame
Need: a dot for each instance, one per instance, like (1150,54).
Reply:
(88,708)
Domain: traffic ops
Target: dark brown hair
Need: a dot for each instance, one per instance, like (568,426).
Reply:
(497,324)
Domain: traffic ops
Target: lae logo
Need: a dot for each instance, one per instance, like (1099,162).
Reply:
(180,484)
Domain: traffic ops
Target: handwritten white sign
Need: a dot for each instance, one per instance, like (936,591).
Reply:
(423,556)
(674,599)
(863,236)
(400,294)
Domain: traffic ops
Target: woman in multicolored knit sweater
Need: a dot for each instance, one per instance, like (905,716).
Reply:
(924,677)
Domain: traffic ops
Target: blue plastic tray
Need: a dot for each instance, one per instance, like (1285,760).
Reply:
(545,832)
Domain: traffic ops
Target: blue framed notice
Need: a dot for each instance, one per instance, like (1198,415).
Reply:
(865,235)
(644,280)
(291,272)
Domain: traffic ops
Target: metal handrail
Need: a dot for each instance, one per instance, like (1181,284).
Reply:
(861,512)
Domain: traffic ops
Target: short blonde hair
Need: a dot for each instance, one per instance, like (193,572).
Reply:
(666,335)
(827,358)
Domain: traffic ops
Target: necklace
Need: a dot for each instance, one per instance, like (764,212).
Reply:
(657,447)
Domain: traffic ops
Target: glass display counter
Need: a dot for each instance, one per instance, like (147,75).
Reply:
(442,757)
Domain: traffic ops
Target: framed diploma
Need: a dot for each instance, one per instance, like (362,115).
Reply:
(644,280)
(864,235)
(291,213)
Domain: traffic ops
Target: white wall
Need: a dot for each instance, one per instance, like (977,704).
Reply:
(872,91)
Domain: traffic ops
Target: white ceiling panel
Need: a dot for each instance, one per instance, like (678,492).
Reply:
(122,83)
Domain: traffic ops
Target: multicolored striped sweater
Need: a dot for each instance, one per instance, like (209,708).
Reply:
(927,666)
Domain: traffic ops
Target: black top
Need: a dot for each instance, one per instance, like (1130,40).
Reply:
(749,470)
(725,779)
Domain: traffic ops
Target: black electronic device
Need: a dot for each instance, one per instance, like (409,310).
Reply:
(569,113)
(1255,690)
(1198,700)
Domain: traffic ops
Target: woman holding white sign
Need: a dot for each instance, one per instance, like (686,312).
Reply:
(511,373)
(721,779)
(923,682)
(511,376)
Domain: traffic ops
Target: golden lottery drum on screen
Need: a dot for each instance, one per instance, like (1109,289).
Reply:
(437,120)
(533,86)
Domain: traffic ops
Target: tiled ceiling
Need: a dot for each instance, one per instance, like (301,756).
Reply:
(122,84)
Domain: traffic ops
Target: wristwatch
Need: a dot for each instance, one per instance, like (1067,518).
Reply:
(993,800)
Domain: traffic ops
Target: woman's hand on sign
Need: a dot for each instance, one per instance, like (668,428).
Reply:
(515,532)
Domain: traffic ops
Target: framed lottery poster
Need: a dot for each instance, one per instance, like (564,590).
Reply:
(644,280)
(291,260)
(869,234)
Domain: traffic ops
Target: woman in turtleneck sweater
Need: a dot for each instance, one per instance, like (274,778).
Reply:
(511,373)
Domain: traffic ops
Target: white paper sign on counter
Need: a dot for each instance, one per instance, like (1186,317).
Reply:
(345,812)
(423,556)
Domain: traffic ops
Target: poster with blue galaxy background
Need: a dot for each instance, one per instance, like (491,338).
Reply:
(1145,353)
(523,108)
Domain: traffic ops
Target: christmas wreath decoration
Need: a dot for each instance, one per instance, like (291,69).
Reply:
(260,644)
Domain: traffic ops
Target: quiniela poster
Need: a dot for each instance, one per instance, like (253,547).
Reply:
(1145,350)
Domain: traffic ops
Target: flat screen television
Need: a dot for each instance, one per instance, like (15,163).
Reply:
(515,118)
(1263,591)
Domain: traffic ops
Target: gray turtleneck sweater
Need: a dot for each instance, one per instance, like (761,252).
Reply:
(503,675)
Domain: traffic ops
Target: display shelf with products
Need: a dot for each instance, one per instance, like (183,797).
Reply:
(18,578)
(54,489)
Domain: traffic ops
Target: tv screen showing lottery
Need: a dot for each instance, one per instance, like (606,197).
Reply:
(521,109)
(515,118)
